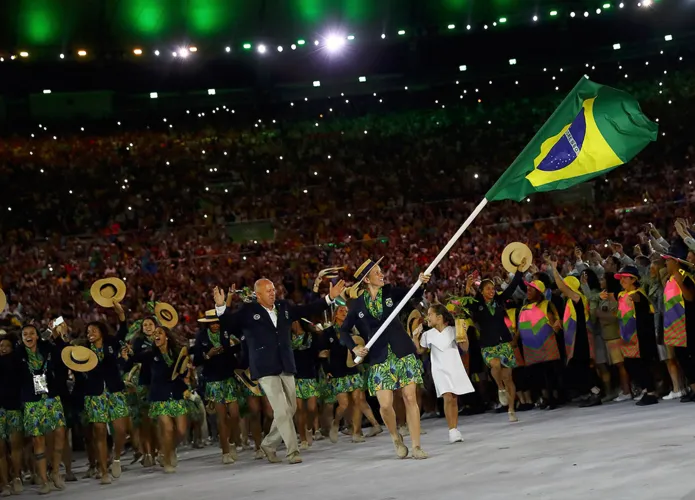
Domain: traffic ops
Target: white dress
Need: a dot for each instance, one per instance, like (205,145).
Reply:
(448,372)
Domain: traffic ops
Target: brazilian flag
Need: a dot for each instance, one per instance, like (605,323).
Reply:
(595,129)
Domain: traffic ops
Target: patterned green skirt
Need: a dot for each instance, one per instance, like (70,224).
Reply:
(43,417)
(10,423)
(503,352)
(326,392)
(195,410)
(222,391)
(348,384)
(394,373)
(106,407)
(171,408)
(307,388)
(133,401)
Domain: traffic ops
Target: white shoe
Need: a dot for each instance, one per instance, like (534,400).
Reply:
(404,431)
(622,397)
(640,396)
(455,436)
(504,399)
(673,395)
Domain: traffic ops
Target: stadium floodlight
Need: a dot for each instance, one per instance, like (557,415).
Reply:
(401,32)
(47,91)
(317,83)
(616,46)
(262,49)
(668,38)
(512,62)
(154,95)
(335,42)
(362,79)
(211,91)
(463,67)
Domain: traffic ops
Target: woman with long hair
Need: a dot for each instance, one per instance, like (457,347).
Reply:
(449,374)
(489,313)
(43,411)
(104,394)
(143,340)
(10,419)
(167,393)
(347,383)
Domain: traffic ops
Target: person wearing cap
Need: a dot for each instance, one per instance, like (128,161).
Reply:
(10,418)
(579,337)
(221,386)
(489,314)
(347,382)
(104,393)
(636,318)
(393,360)
(679,316)
(537,324)
(167,392)
(264,327)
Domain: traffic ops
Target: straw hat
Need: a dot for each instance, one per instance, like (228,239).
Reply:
(181,365)
(79,359)
(107,291)
(3,300)
(166,314)
(210,317)
(350,356)
(244,376)
(513,254)
(414,320)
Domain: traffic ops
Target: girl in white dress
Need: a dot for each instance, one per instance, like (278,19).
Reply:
(449,374)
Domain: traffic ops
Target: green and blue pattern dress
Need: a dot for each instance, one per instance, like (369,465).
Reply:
(307,388)
(173,407)
(46,415)
(394,373)
(221,391)
(107,406)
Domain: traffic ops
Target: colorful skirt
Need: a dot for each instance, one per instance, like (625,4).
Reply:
(43,417)
(394,373)
(307,388)
(222,391)
(10,423)
(195,410)
(133,401)
(172,408)
(106,407)
(503,352)
(348,384)
(326,392)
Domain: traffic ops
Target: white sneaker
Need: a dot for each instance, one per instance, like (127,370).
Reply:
(673,395)
(622,397)
(455,436)
(640,396)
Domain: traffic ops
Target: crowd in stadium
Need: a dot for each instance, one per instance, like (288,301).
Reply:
(153,208)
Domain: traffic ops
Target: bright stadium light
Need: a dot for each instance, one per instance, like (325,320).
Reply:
(362,79)
(211,91)
(183,52)
(463,67)
(317,83)
(262,49)
(154,95)
(335,42)
(616,46)
(512,62)
(668,38)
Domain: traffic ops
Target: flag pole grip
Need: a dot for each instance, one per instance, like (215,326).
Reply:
(429,270)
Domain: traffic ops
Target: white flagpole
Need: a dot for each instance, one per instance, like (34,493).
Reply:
(429,270)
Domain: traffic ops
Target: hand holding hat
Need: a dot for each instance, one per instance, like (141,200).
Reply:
(107,291)
(516,257)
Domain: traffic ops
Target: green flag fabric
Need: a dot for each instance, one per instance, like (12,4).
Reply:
(595,129)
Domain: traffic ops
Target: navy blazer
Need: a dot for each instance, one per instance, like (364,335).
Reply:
(107,373)
(162,388)
(141,343)
(220,367)
(336,363)
(491,326)
(267,348)
(52,368)
(358,316)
